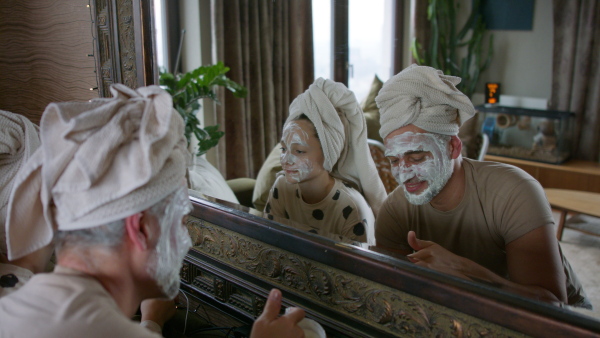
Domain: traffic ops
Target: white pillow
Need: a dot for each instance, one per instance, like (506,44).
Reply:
(206,179)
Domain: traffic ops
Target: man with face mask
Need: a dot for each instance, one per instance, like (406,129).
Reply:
(107,185)
(483,221)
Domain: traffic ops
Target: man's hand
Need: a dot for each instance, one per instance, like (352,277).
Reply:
(157,310)
(431,255)
(434,256)
(269,324)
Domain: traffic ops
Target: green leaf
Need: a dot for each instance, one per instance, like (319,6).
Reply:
(187,89)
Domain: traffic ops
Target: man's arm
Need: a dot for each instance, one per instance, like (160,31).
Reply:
(534,265)
(390,235)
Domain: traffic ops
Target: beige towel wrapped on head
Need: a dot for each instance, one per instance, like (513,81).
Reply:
(99,162)
(19,139)
(425,97)
(343,136)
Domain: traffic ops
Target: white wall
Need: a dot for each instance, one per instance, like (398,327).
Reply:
(522,60)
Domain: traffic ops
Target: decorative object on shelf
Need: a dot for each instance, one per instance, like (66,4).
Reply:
(187,89)
(529,134)
(446,47)
(492,92)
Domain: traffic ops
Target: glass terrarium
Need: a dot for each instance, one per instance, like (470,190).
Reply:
(528,134)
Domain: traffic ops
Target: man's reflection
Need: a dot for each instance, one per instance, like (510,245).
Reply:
(482,221)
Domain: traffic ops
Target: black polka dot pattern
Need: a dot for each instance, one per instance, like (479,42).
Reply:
(268,208)
(275,193)
(269,216)
(347,185)
(359,229)
(8,281)
(347,211)
(318,214)
(336,196)
(313,231)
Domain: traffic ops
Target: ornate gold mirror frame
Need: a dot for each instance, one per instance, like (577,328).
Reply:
(238,257)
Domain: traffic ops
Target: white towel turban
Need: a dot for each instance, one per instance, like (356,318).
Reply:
(425,97)
(343,136)
(19,138)
(98,162)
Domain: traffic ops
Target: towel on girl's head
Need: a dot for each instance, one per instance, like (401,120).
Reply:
(19,139)
(342,130)
(425,97)
(98,162)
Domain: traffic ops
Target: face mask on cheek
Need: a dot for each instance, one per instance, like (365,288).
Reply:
(173,244)
(436,170)
(300,167)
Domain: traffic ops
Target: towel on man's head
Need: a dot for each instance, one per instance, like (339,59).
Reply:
(425,97)
(98,162)
(19,139)
(343,136)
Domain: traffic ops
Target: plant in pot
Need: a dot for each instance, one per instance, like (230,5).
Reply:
(188,88)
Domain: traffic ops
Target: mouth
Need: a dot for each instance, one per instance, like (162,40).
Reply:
(414,185)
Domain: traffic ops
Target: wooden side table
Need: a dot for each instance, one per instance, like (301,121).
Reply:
(583,202)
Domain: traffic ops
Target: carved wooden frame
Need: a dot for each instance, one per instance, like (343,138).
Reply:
(123,43)
(237,258)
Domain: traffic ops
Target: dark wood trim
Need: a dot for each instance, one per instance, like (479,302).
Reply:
(398,36)
(340,49)
(144,42)
(474,300)
(173,37)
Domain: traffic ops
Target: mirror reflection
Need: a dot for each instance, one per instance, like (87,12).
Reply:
(244,153)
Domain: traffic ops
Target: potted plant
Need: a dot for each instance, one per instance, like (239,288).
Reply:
(187,89)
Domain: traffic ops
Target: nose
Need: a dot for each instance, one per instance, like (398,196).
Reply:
(287,158)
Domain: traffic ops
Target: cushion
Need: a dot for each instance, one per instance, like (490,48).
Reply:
(371,111)
(206,179)
(266,178)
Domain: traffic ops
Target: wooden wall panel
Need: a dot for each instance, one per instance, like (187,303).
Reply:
(44,48)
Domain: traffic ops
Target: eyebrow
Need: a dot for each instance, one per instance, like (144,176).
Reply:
(414,152)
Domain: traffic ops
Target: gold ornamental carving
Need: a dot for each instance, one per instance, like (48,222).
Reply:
(387,309)
(127,42)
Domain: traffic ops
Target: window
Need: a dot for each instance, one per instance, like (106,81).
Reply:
(370,37)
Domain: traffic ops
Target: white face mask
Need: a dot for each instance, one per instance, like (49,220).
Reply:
(294,135)
(173,244)
(420,157)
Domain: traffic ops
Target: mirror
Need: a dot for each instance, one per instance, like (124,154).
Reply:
(497,296)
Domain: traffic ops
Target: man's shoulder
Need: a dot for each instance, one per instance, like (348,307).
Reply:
(57,305)
(497,175)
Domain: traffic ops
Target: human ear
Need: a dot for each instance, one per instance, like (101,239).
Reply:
(455,147)
(137,231)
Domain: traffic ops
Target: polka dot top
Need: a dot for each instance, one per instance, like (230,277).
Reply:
(342,215)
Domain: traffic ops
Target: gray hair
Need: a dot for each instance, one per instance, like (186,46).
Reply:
(109,235)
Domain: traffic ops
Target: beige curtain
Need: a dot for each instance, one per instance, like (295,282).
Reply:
(269,47)
(576,71)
